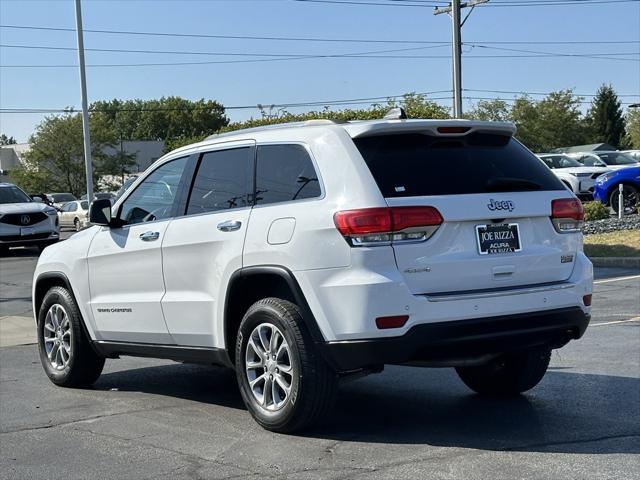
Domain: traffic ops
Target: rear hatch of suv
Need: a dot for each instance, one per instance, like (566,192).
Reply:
(496,201)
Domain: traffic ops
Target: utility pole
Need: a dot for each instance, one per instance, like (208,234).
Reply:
(85,108)
(454,10)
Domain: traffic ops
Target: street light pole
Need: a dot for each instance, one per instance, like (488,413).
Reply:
(85,108)
(457,60)
(454,10)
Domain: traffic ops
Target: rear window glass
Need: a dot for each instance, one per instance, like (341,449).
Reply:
(410,165)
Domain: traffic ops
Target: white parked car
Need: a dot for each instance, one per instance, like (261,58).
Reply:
(613,160)
(300,254)
(635,154)
(577,177)
(74,214)
(25,222)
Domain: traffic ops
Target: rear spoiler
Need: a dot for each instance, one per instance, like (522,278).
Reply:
(439,128)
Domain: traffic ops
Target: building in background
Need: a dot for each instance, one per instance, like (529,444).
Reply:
(145,152)
(10,158)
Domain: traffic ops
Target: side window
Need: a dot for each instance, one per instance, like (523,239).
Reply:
(153,198)
(284,173)
(221,181)
(72,207)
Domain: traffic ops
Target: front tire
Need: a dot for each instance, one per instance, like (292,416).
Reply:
(507,375)
(630,199)
(284,382)
(65,352)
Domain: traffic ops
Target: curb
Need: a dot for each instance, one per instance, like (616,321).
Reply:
(620,262)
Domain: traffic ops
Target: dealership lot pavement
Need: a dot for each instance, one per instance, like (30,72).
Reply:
(159,419)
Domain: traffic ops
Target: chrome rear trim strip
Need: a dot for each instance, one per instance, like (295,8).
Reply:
(452,297)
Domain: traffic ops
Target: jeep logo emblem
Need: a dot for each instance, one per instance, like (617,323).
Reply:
(500,205)
(25,219)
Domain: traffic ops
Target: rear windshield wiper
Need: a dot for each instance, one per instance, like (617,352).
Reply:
(518,184)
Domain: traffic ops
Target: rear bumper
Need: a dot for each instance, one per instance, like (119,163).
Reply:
(463,339)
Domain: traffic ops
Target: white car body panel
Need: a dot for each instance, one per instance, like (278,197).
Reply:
(175,286)
(126,283)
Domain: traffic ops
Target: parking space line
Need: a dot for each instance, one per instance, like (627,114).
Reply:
(636,319)
(617,279)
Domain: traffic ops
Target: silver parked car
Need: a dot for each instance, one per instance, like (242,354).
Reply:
(74,214)
(25,222)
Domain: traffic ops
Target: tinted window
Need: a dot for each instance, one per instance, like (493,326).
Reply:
(153,198)
(561,161)
(62,197)
(221,181)
(617,158)
(409,165)
(84,205)
(285,173)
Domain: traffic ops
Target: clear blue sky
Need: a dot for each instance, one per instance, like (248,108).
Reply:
(318,79)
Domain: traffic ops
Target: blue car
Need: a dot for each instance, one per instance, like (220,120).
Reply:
(606,188)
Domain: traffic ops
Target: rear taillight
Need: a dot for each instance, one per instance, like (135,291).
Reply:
(375,226)
(567,215)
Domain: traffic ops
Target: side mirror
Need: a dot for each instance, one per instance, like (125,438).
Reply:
(100,212)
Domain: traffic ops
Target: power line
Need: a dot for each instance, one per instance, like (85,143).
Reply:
(339,102)
(231,54)
(603,55)
(513,3)
(539,93)
(357,55)
(311,39)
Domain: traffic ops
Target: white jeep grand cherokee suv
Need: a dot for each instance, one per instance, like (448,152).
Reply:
(302,253)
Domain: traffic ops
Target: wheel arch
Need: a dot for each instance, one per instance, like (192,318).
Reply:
(250,284)
(44,283)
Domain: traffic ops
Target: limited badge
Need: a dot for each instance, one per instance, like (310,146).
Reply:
(566,259)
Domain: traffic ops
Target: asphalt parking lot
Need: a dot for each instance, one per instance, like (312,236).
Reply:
(159,419)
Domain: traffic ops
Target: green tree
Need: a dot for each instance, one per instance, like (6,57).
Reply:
(632,137)
(55,161)
(415,105)
(552,122)
(4,140)
(604,119)
(496,110)
(166,119)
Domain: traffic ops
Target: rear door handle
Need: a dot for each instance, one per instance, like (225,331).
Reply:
(229,226)
(149,236)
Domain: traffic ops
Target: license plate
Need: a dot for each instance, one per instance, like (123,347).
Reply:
(27,231)
(498,238)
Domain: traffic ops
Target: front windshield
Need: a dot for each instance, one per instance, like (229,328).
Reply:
(617,158)
(13,195)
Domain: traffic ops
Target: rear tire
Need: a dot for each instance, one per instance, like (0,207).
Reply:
(65,351)
(275,324)
(76,225)
(508,375)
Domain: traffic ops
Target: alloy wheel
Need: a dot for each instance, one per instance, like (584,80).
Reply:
(57,336)
(269,368)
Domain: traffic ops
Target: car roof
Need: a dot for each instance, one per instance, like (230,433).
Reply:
(355,129)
